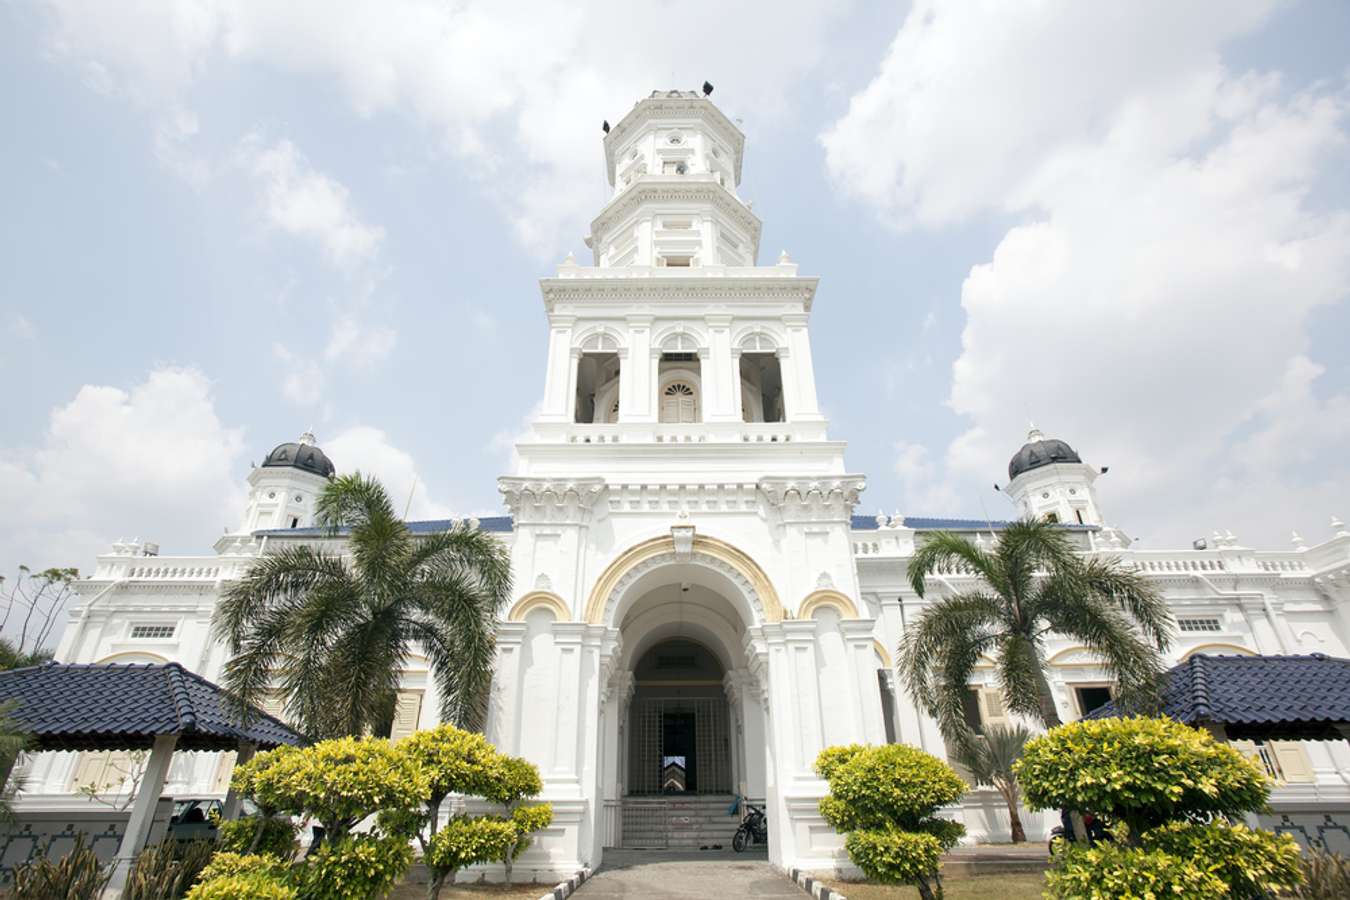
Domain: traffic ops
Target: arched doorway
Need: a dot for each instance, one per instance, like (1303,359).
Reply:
(679,728)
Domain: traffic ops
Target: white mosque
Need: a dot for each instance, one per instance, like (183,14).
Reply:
(699,610)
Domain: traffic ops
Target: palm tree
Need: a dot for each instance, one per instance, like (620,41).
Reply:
(1032,584)
(331,632)
(990,760)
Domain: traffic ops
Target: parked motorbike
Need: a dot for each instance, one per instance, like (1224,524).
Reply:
(754,829)
(1062,834)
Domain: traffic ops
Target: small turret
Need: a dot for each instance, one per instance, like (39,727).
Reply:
(282,490)
(1050,481)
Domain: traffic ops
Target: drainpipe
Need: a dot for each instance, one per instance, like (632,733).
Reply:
(84,614)
(1265,605)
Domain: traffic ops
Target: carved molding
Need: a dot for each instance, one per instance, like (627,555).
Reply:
(550,499)
(629,291)
(834,599)
(539,600)
(708,552)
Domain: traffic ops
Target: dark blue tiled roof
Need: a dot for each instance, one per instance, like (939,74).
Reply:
(1268,697)
(495,524)
(123,707)
(925,523)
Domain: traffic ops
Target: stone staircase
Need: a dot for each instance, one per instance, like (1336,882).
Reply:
(678,822)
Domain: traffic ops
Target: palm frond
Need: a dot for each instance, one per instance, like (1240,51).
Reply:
(1020,665)
(1108,632)
(944,549)
(1131,592)
(940,651)
(461,552)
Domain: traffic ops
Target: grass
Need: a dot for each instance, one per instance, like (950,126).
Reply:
(979,887)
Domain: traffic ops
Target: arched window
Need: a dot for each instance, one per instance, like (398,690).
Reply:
(679,403)
(761,380)
(597,378)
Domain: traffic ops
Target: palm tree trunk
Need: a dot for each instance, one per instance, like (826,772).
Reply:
(1049,713)
(1019,834)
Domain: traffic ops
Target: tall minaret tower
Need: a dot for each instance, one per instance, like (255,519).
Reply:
(679,376)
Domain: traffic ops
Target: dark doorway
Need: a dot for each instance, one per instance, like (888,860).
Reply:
(679,769)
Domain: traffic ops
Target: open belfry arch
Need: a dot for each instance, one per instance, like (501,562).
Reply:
(688,623)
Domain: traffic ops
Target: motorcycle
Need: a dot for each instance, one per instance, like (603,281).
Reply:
(1062,834)
(754,829)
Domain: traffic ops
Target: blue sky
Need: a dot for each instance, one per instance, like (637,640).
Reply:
(224,222)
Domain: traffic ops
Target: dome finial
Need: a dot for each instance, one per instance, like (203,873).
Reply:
(307,439)
(1034,433)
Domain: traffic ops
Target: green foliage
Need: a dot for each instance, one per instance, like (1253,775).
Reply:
(1033,583)
(76,876)
(891,786)
(339,782)
(886,799)
(226,865)
(1144,771)
(527,820)
(454,761)
(332,631)
(991,758)
(277,837)
(894,857)
(1114,872)
(466,840)
(356,868)
(254,886)
(166,870)
(1252,863)
(1326,876)
(513,780)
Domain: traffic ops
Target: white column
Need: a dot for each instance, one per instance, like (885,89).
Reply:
(232,797)
(503,721)
(636,390)
(867,711)
(737,400)
(558,377)
(567,638)
(142,812)
(719,390)
(799,367)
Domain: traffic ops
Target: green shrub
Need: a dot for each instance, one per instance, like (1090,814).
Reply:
(1252,863)
(1326,876)
(465,841)
(237,887)
(886,799)
(339,782)
(166,870)
(357,867)
(1114,872)
(227,865)
(1142,771)
(76,876)
(268,835)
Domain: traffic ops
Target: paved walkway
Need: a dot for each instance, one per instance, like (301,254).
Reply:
(669,874)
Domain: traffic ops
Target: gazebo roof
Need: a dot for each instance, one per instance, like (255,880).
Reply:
(1267,697)
(107,706)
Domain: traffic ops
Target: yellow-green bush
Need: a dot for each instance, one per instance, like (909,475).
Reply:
(886,799)
(358,867)
(227,864)
(339,782)
(258,834)
(1252,863)
(237,887)
(1115,872)
(455,761)
(1143,771)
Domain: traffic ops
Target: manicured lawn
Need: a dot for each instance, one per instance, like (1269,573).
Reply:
(980,887)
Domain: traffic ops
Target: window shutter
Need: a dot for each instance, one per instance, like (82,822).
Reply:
(992,711)
(407,711)
(89,769)
(1293,761)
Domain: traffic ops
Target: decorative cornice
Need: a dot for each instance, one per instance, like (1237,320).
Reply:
(806,494)
(658,189)
(568,500)
(631,291)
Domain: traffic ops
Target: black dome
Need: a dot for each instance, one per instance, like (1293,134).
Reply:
(1040,451)
(303,455)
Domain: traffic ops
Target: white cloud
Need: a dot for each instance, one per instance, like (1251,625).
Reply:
(302,380)
(357,344)
(154,462)
(173,137)
(308,204)
(368,450)
(22,327)
(1151,306)
(515,90)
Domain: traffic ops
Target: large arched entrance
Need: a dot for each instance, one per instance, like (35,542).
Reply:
(690,728)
